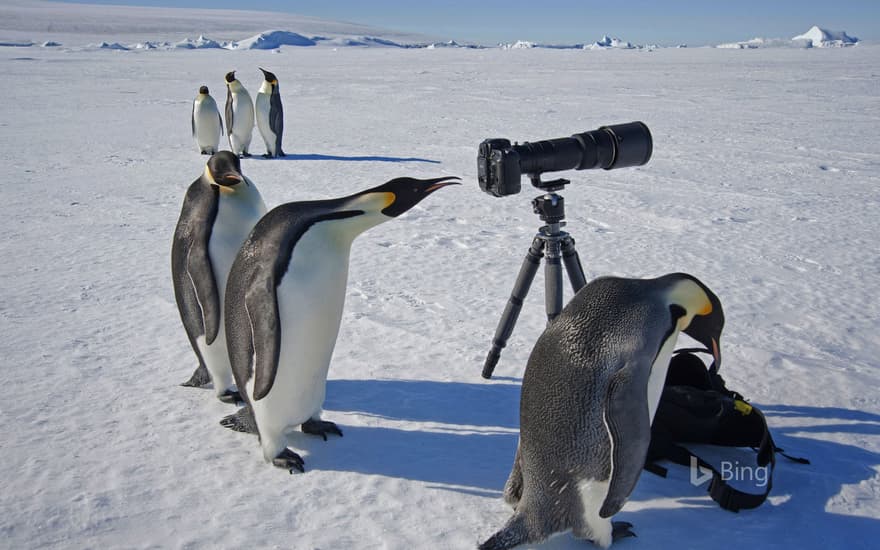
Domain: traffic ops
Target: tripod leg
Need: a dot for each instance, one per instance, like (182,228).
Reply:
(573,265)
(553,280)
(514,305)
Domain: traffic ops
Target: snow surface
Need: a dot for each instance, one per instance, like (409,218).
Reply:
(764,183)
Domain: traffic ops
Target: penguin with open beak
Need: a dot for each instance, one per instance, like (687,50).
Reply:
(284,303)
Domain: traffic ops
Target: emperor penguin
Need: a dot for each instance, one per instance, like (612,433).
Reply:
(219,210)
(589,394)
(207,126)
(239,116)
(284,303)
(270,115)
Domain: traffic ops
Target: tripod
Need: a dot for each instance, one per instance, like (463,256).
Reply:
(557,248)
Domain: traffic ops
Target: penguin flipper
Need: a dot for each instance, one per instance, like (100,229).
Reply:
(276,121)
(220,118)
(192,119)
(228,112)
(630,429)
(201,274)
(261,304)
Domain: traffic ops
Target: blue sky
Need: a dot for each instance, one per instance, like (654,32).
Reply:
(567,21)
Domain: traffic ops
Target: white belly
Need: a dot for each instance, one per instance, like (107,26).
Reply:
(593,494)
(237,213)
(262,114)
(658,374)
(310,301)
(242,116)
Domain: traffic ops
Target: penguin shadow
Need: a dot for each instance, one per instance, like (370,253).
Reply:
(817,505)
(364,158)
(454,436)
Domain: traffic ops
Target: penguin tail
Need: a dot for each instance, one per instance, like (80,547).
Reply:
(513,534)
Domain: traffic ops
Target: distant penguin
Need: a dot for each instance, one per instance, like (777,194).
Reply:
(207,126)
(239,116)
(589,394)
(270,115)
(219,210)
(284,303)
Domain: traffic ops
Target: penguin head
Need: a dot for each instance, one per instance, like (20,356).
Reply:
(270,77)
(697,312)
(230,77)
(401,194)
(224,171)
(385,202)
(203,90)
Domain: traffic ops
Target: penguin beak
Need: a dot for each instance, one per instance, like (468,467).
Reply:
(439,185)
(229,179)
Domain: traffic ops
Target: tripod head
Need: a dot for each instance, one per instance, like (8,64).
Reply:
(551,206)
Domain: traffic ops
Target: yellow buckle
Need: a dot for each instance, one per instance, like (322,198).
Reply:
(743,407)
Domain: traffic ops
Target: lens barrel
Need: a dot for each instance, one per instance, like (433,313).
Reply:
(608,147)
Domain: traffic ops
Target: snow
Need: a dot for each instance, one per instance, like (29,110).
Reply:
(763,184)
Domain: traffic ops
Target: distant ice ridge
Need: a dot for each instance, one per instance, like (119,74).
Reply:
(271,40)
(199,43)
(111,46)
(822,38)
(814,38)
(605,43)
(268,40)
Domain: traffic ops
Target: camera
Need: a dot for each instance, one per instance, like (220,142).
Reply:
(500,165)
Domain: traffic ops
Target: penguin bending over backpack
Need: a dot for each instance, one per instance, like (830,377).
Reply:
(589,394)
(284,302)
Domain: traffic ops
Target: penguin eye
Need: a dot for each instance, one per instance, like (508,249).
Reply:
(677,312)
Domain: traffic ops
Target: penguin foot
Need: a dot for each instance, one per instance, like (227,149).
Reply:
(267,155)
(621,530)
(242,421)
(199,379)
(230,396)
(320,427)
(289,460)
(244,155)
(281,154)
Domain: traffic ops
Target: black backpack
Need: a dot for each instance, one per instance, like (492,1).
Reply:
(697,407)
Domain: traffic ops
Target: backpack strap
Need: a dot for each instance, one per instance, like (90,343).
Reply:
(664,446)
